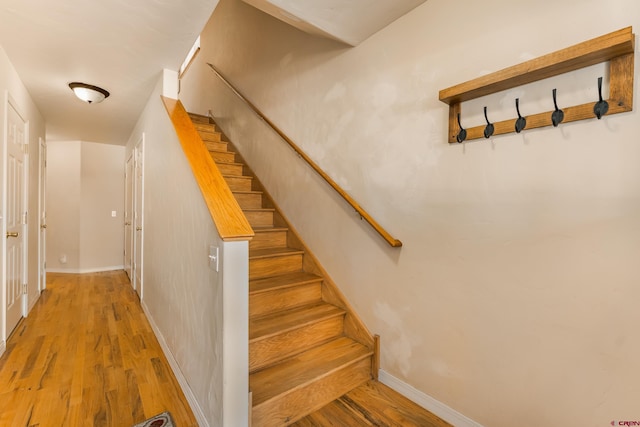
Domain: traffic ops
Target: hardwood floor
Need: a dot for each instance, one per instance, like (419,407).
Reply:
(86,356)
(372,404)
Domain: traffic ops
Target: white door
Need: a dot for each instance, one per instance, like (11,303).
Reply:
(15,217)
(129,182)
(42,242)
(138,217)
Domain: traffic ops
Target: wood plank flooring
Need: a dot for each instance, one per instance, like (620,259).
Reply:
(87,356)
(372,404)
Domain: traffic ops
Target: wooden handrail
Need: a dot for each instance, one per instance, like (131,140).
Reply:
(227,215)
(363,214)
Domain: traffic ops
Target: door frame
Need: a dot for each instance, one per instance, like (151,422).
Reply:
(129,238)
(138,217)
(9,102)
(42,214)
(3,224)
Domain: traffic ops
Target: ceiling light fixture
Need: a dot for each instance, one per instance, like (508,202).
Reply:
(89,93)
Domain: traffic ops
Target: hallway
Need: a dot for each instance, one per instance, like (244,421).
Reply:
(87,356)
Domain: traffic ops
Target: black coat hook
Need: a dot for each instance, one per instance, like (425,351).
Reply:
(602,106)
(488,130)
(462,135)
(558,115)
(521,122)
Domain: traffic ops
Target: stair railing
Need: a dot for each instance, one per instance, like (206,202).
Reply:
(230,221)
(363,214)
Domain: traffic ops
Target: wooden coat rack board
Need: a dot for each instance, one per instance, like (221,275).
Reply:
(616,47)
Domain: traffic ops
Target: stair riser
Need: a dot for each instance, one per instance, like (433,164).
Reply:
(271,350)
(205,126)
(271,239)
(259,218)
(210,136)
(223,157)
(199,121)
(283,299)
(304,400)
(231,169)
(249,201)
(220,146)
(264,267)
(238,183)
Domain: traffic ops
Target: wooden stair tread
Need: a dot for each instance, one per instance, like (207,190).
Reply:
(271,252)
(206,129)
(265,284)
(228,163)
(222,156)
(305,368)
(372,404)
(269,229)
(243,177)
(215,145)
(213,137)
(204,125)
(259,210)
(199,118)
(275,323)
(222,151)
(248,192)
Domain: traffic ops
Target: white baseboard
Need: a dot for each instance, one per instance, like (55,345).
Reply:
(184,385)
(429,403)
(32,302)
(3,347)
(85,270)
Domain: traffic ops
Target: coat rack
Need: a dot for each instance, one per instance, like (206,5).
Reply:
(616,47)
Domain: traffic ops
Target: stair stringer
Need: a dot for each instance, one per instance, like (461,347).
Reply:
(354,327)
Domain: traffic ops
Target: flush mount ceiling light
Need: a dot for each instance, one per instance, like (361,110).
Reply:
(89,93)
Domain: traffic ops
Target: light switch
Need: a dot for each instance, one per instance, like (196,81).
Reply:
(213,257)
(113,214)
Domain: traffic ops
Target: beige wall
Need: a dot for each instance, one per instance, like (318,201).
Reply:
(102,178)
(514,298)
(182,296)
(12,86)
(63,205)
(85,183)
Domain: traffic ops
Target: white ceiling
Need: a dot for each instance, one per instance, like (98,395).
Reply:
(120,45)
(350,21)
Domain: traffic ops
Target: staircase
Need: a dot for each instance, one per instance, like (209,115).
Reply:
(306,347)
(312,362)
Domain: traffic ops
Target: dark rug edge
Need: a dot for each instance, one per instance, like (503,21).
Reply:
(163,419)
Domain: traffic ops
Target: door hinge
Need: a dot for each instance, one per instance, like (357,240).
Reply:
(24,288)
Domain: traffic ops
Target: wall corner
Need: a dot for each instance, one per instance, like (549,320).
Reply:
(235,278)
(170,83)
